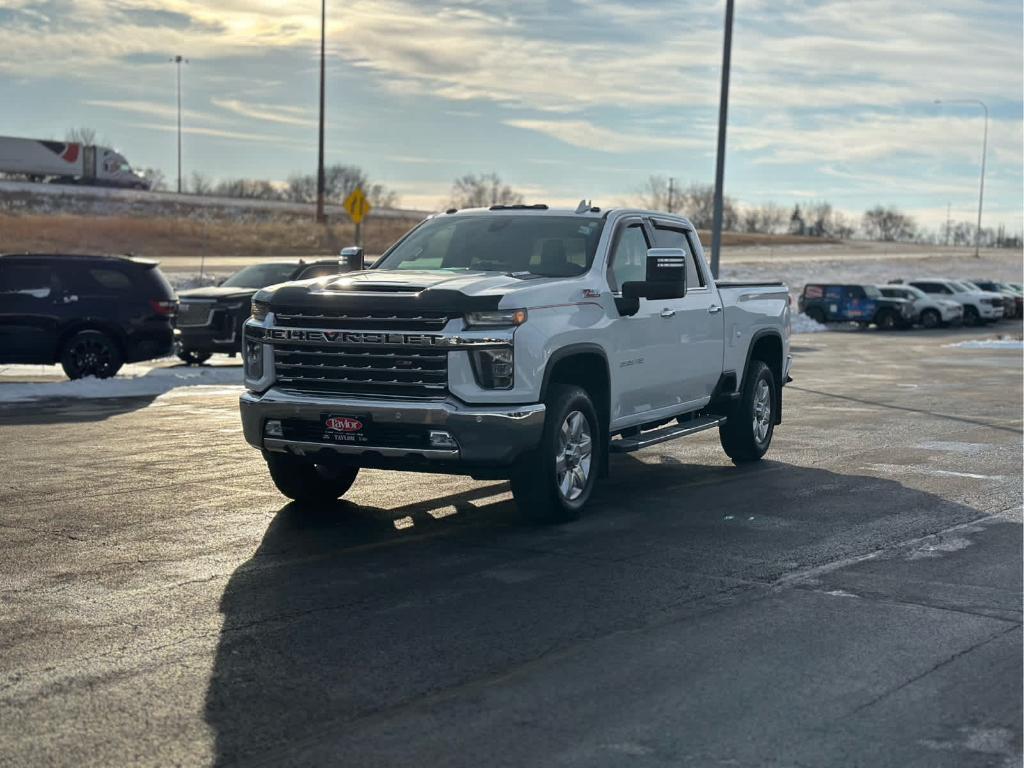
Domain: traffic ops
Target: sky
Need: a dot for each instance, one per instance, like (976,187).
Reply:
(830,99)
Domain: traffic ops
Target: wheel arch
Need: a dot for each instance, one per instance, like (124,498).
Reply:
(586,366)
(766,345)
(88,324)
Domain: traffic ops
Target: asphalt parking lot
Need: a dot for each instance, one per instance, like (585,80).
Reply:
(855,599)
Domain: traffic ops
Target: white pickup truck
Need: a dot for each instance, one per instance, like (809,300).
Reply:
(513,342)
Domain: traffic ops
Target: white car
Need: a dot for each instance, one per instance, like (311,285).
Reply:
(979,306)
(929,311)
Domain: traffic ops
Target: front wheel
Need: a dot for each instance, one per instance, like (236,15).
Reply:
(90,353)
(747,433)
(887,321)
(971,316)
(930,318)
(307,482)
(556,479)
(193,356)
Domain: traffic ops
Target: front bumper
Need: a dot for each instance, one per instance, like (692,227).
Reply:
(990,311)
(951,314)
(486,436)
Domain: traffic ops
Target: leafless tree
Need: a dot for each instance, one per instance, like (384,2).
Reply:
(200,184)
(254,189)
(480,191)
(339,181)
(888,224)
(81,135)
(155,177)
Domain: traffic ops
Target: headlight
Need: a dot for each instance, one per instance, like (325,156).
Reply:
(253,359)
(495,318)
(259,310)
(493,367)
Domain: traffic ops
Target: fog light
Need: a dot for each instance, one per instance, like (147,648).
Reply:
(253,359)
(273,428)
(440,439)
(494,367)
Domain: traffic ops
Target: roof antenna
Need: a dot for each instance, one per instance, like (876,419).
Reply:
(583,207)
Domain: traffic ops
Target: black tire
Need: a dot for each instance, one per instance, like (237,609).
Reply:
(887,320)
(816,315)
(307,482)
(194,356)
(971,316)
(90,353)
(930,318)
(540,496)
(743,438)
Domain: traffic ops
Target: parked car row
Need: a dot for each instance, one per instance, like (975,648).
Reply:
(928,302)
(92,314)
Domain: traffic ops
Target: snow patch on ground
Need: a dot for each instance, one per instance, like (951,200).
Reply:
(1000,343)
(155,381)
(803,324)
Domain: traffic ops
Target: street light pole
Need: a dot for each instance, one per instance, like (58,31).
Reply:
(723,109)
(984,153)
(178,61)
(320,157)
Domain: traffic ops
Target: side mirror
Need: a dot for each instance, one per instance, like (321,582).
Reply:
(666,279)
(351,259)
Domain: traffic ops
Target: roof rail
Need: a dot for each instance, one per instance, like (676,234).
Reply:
(519,207)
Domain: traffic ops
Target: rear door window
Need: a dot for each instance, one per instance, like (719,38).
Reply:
(35,280)
(670,237)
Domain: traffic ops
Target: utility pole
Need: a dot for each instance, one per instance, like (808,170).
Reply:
(671,185)
(984,152)
(948,206)
(723,110)
(320,218)
(178,61)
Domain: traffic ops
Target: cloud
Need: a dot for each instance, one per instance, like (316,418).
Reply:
(222,133)
(581,133)
(151,108)
(273,113)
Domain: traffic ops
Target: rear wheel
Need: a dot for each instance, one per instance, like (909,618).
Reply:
(307,482)
(194,356)
(90,353)
(930,318)
(556,479)
(886,320)
(816,314)
(747,433)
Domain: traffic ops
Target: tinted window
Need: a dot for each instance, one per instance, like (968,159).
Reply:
(26,279)
(260,276)
(629,260)
(932,287)
(666,237)
(318,270)
(554,246)
(111,280)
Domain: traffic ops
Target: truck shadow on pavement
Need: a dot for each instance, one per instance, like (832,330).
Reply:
(340,615)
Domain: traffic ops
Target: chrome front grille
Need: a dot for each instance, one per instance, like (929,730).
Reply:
(352,320)
(356,370)
(193,313)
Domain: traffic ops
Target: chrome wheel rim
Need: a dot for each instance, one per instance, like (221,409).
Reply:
(762,410)
(573,459)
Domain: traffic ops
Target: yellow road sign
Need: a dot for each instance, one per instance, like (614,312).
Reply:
(357,205)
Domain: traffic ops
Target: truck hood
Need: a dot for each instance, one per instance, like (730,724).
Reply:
(384,289)
(217,292)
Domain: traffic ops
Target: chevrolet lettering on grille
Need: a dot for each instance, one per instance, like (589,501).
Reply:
(351,337)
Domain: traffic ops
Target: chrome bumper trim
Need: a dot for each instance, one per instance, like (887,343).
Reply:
(302,447)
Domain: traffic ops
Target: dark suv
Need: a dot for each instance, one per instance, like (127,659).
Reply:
(863,304)
(89,313)
(210,319)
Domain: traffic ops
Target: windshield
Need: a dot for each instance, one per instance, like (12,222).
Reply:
(960,287)
(552,246)
(872,292)
(260,276)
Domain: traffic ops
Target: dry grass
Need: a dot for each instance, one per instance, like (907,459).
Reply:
(162,237)
(64,233)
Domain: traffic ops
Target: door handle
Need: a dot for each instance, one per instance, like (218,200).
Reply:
(714,308)
(666,312)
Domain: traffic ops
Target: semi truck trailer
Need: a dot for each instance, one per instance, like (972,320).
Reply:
(67,162)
